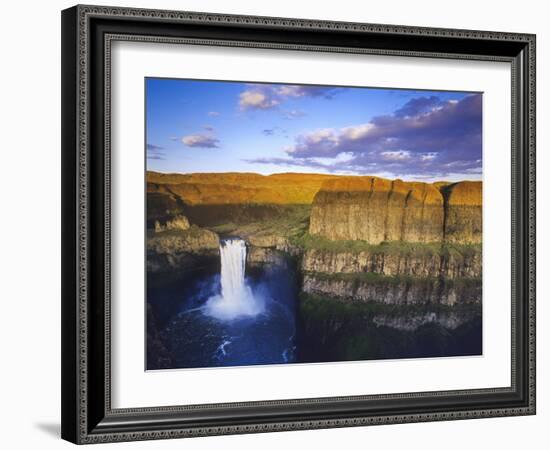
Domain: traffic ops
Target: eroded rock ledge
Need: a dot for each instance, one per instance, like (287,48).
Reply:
(180,248)
(447,262)
(375,210)
(372,288)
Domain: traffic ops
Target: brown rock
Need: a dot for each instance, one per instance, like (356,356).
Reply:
(178,223)
(463,212)
(390,291)
(376,210)
(177,249)
(448,265)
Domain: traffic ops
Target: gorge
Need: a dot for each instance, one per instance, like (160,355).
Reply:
(311,268)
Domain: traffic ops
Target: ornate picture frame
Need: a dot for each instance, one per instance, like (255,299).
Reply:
(88,33)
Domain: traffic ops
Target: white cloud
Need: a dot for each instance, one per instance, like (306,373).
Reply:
(255,99)
(266,96)
(428,156)
(200,140)
(357,132)
(320,135)
(398,155)
(291,91)
(213,113)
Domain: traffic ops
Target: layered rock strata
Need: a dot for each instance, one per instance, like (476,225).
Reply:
(394,290)
(445,264)
(180,249)
(376,210)
(463,212)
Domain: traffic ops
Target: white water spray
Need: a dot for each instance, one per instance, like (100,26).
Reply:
(236,298)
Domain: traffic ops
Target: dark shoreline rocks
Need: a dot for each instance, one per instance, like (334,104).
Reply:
(394,290)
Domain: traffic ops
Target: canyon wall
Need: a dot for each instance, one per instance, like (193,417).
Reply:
(446,263)
(463,212)
(338,208)
(180,247)
(354,239)
(376,210)
(439,274)
(395,242)
(394,290)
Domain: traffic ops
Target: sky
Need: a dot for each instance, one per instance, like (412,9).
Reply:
(220,126)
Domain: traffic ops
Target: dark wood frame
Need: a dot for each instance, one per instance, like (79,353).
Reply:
(87,32)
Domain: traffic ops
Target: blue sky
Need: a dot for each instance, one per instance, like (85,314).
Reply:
(214,126)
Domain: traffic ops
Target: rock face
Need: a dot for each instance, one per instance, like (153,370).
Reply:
(268,241)
(375,210)
(392,291)
(370,240)
(263,256)
(449,265)
(177,249)
(177,223)
(463,212)
(449,320)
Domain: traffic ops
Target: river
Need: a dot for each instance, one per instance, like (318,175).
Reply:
(236,314)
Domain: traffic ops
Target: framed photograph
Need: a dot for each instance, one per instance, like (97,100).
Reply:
(279,224)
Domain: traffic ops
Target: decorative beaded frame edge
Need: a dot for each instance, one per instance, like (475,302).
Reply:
(75,423)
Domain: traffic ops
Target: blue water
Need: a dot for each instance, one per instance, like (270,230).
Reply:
(194,338)
(191,325)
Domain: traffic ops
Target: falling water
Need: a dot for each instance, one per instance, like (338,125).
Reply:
(236,297)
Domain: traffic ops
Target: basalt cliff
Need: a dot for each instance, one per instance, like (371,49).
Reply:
(354,239)
(418,242)
(377,210)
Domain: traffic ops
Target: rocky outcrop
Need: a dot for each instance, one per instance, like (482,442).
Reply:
(267,241)
(161,206)
(256,256)
(393,290)
(375,210)
(449,320)
(463,212)
(177,249)
(178,223)
(445,263)
(193,240)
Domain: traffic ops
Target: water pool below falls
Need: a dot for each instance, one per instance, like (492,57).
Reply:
(232,312)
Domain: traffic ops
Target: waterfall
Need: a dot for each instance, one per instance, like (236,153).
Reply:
(236,297)
(233,260)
